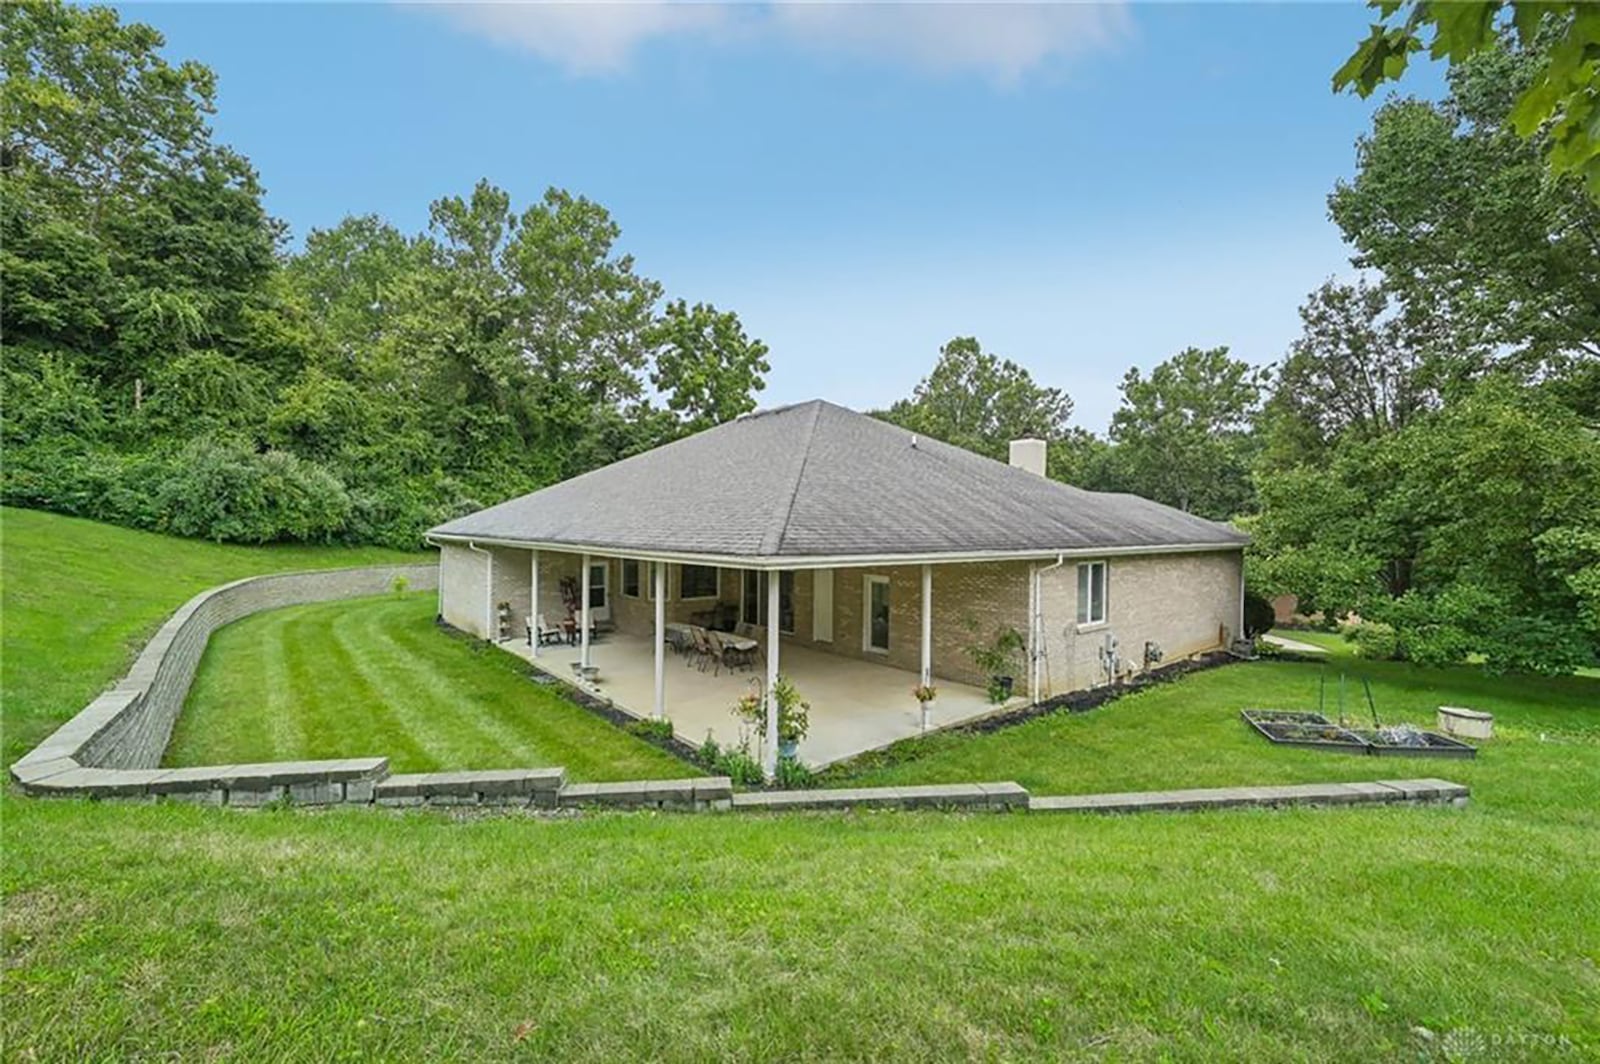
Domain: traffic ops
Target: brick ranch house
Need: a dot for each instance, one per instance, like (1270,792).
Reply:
(884,557)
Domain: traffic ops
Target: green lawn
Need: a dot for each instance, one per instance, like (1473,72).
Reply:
(375,676)
(140,931)
(1188,734)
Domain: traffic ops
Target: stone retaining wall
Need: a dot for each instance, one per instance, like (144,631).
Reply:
(127,727)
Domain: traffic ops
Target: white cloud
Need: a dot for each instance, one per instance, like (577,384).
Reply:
(1002,41)
(586,38)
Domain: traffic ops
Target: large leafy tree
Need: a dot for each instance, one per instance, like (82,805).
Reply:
(979,401)
(128,232)
(706,367)
(1472,529)
(1558,105)
(1360,369)
(1469,233)
(1183,434)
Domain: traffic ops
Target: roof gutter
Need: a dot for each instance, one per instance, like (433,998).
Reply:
(837,561)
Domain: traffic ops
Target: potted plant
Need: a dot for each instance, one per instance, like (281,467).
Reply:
(925,693)
(794,717)
(748,709)
(999,659)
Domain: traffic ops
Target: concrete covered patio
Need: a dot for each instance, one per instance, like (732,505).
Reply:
(856,706)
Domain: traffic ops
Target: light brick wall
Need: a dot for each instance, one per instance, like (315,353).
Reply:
(1185,603)
(970,603)
(461,588)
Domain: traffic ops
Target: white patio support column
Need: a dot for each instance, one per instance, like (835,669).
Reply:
(927,625)
(659,579)
(583,620)
(533,598)
(770,758)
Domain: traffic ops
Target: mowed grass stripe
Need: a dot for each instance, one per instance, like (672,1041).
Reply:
(406,686)
(502,724)
(352,712)
(562,733)
(374,677)
(282,672)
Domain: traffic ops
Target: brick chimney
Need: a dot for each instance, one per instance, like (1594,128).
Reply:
(1028,454)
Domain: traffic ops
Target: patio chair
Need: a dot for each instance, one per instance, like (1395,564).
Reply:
(717,653)
(540,629)
(700,653)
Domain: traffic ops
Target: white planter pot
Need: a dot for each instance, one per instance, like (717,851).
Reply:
(1466,723)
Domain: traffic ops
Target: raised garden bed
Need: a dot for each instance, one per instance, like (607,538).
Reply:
(1417,743)
(1317,732)
(1304,729)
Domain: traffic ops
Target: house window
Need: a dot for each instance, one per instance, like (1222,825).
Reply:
(1092,593)
(639,579)
(698,581)
(875,618)
(753,602)
(597,585)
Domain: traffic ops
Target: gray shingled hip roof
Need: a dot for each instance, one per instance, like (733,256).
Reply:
(815,481)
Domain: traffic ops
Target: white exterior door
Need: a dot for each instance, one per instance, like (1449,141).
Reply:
(822,606)
(599,591)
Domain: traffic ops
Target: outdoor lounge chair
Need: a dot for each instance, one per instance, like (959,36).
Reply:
(540,629)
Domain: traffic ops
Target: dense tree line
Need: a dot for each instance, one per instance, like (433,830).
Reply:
(168,365)
(1426,454)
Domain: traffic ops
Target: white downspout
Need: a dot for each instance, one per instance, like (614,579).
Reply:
(1039,631)
(1033,630)
(488,589)
(1239,632)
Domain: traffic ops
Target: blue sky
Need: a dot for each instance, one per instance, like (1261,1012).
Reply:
(1083,187)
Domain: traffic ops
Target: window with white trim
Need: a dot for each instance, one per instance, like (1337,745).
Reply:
(639,579)
(1092,593)
(753,599)
(699,581)
(875,614)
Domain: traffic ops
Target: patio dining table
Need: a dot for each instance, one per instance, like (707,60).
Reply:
(737,642)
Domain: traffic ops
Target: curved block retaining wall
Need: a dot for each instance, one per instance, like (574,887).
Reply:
(128,726)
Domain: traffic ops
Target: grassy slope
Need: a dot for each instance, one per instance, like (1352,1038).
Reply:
(1322,934)
(345,679)
(77,599)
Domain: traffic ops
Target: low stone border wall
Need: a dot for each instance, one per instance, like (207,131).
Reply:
(127,728)
(1379,791)
(998,796)
(365,781)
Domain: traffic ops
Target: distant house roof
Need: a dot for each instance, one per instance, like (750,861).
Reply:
(813,482)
